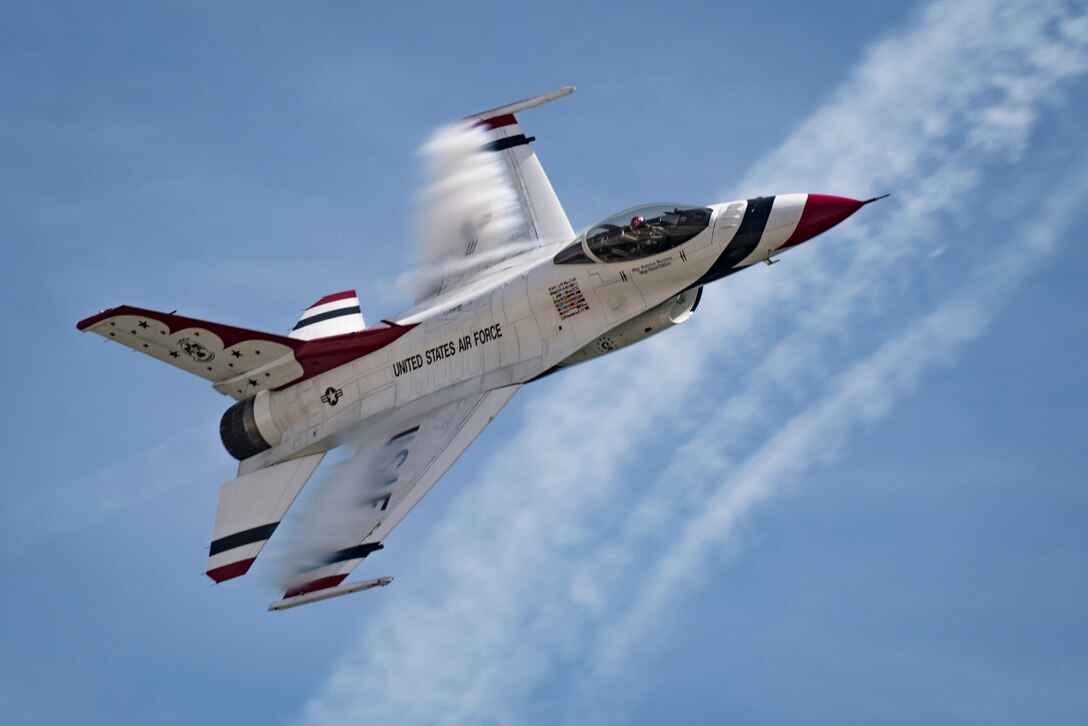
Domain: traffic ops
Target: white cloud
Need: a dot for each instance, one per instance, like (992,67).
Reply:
(533,565)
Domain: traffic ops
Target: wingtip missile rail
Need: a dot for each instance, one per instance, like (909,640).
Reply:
(329,593)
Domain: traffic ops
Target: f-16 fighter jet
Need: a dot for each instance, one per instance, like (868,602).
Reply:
(507,293)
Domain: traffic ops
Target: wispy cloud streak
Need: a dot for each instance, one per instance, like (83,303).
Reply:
(129,480)
(530,575)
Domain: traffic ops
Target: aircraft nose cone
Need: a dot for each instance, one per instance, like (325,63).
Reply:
(821,213)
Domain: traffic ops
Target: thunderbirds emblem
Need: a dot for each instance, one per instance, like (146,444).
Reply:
(195,350)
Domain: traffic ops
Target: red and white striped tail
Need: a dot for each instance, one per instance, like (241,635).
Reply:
(334,314)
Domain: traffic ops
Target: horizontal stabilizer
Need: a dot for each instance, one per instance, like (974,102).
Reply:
(250,508)
(240,363)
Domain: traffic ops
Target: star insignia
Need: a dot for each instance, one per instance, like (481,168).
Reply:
(143,324)
(332,395)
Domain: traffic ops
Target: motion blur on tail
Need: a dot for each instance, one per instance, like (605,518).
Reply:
(507,293)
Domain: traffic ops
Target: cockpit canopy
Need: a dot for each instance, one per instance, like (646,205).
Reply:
(637,232)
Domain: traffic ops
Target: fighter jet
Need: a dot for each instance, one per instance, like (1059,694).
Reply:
(508,293)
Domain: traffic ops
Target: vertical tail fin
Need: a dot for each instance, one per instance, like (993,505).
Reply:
(334,314)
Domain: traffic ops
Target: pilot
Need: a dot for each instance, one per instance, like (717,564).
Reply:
(649,239)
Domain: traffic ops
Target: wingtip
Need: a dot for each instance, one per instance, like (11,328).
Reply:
(89,321)
(523,105)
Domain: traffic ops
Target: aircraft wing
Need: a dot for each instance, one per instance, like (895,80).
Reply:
(489,198)
(367,496)
(544,217)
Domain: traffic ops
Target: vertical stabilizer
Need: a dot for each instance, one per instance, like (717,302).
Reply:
(334,314)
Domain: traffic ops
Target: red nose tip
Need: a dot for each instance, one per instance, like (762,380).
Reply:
(821,213)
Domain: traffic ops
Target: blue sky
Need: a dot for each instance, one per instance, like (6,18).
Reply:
(850,489)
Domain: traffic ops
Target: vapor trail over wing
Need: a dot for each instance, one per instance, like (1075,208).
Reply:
(488,198)
(400,460)
(545,219)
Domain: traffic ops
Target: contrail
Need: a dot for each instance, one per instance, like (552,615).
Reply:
(530,565)
(861,393)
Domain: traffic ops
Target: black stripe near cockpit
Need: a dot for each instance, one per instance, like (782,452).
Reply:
(744,241)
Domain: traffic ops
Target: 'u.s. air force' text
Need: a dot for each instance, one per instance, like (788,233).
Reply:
(448,350)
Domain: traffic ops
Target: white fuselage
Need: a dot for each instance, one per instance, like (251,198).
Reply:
(523,318)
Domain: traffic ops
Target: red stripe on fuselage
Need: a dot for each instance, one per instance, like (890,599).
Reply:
(324,354)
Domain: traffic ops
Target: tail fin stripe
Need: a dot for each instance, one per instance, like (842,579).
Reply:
(327,316)
(345,295)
